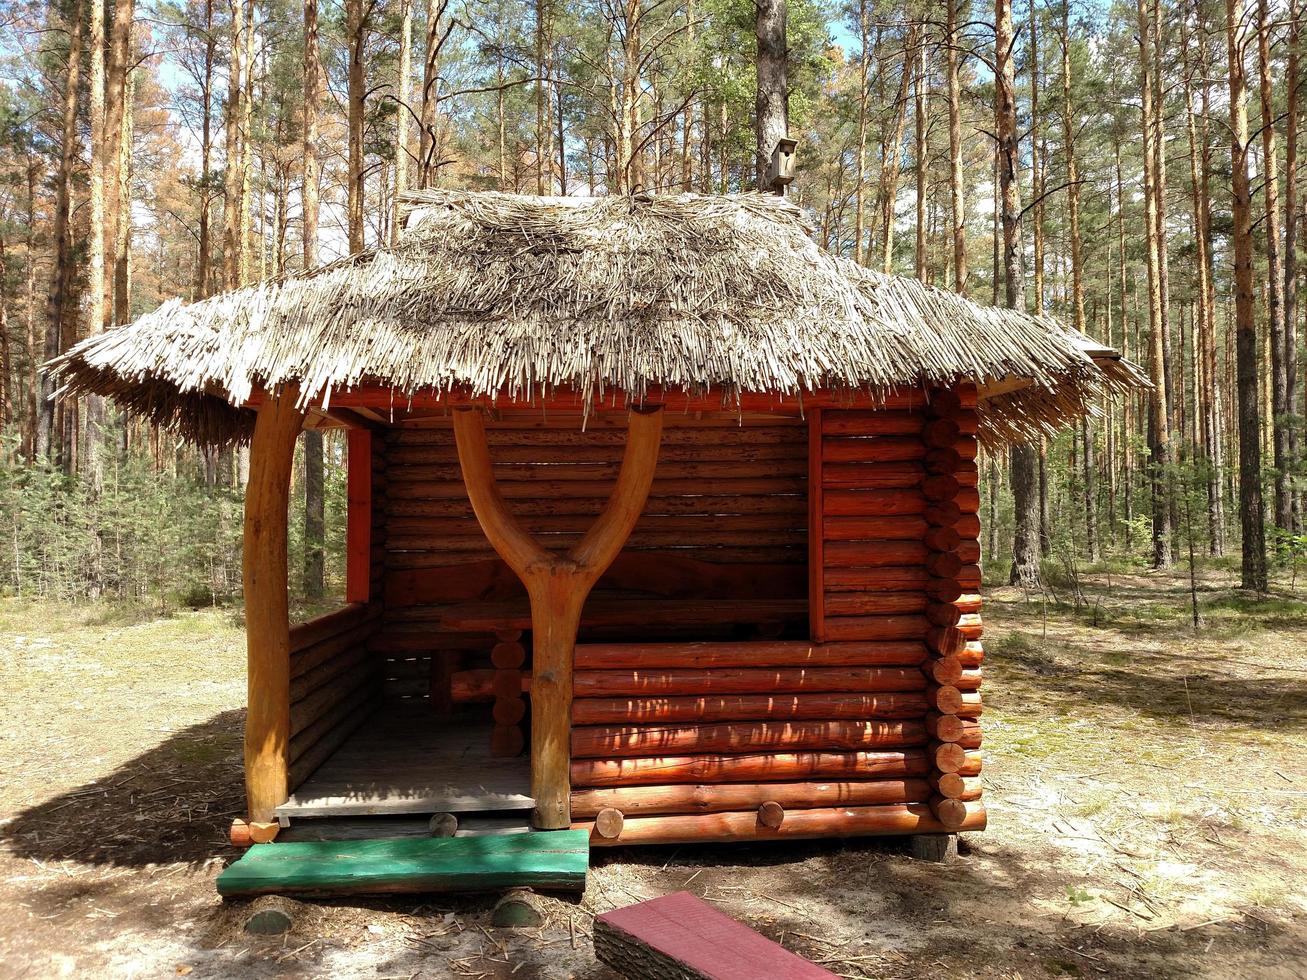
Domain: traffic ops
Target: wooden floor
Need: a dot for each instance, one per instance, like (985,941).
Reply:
(402,760)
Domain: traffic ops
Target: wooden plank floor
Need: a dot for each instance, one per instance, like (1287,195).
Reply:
(404,760)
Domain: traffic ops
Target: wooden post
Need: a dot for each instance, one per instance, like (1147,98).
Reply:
(557,586)
(267,617)
(358,516)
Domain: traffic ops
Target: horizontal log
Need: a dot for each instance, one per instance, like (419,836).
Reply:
(564,485)
(324,651)
(702,469)
(972,764)
(946,756)
(944,728)
(862,422)
(872,476)
(340,712)
(748,707)
(432,455)
(844,628)
(573,505)
(910,527)
(777,766)
(306,710)
(968,500)
(943,614)
(968,604)
(509,712)
(348,661)
(322,627)
(863,603)
(911,818)
(872,554)
(878,449)
(945,641)
(724,797)
(605,741)
(970,679)
(717,533)
(903,578)
(969,577)
(943,403)
(971,706)
(971,626)
(844,680)
(943,564)
(565,436)
(940,434)
(972,654)
(397,641)
(944,698)
(871,503)
(441,527)
(968,527)
(508,655)
(756,653)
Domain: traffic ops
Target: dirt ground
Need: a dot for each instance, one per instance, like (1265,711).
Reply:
(1146,785)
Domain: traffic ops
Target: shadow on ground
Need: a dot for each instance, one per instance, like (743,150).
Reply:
(173,803)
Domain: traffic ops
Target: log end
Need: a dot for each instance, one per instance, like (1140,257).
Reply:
(951,813)
(771,814)
(443,825)
(518,909)
(262,832)
(609,822)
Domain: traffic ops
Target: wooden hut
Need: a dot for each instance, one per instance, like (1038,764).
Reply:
(662,520)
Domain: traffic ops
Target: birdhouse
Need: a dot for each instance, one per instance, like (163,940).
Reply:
(781,171)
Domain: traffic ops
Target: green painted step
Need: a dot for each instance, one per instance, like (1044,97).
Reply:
(549,859)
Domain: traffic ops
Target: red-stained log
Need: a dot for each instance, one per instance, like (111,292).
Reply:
(613,741)
(872,476)
(645,683)
(882,449)
(951,813)
(748,707)
(972,654)
(943,614)
(943,670)
(942,539)
(945,513)
(866,603)
(863,422)
(945,641)
(944,564)
(871,503)
(840,628)
(939,487)
(874,554)
(943,460)
(753,653)
(911,818)
(723,797)
(896,578)
(750,768)
(940,434)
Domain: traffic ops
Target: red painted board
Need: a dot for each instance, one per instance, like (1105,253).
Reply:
(358,516)
(707,942)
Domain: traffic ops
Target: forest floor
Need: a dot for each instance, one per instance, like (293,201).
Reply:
(1146,786)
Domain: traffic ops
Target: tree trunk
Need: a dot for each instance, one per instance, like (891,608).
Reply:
(1250,454)
(1036,167)
(920,152)
(957,175)
(47,434)
(405,69)
(1159,429)
(859,188)
(204,258)
(1024,457)
(772,105)
(231,231)
(1291,216)
(891,158)
(356,37)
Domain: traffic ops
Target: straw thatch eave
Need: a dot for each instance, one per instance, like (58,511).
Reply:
(495,295)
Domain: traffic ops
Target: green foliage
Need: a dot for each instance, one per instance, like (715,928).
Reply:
(170,537)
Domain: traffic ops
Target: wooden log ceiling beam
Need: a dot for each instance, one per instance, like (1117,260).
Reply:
(557,585)
(267,619)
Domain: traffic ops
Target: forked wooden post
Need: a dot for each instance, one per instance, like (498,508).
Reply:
(267,619)
(558,586)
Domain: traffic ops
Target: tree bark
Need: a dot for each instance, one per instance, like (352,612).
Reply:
(1291,217)
(47,434)
(1023,457)
(356,38)
(405,69)
(231,231)
(957,175)
(772,105)
(1250,453)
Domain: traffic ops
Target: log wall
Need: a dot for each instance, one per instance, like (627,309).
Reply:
(334,684)
(719,551)
(871,726)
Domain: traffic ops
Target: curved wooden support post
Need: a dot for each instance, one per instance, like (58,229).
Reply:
(558,586)
(267,618)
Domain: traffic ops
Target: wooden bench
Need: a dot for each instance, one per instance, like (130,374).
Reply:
(680,936)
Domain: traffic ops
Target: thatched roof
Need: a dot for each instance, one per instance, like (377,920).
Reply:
(508,296)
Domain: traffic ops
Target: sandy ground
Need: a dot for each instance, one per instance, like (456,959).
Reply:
(1147,792)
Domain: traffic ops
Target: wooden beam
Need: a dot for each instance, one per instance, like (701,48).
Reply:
(267,620)
(557,585)
(358,516)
